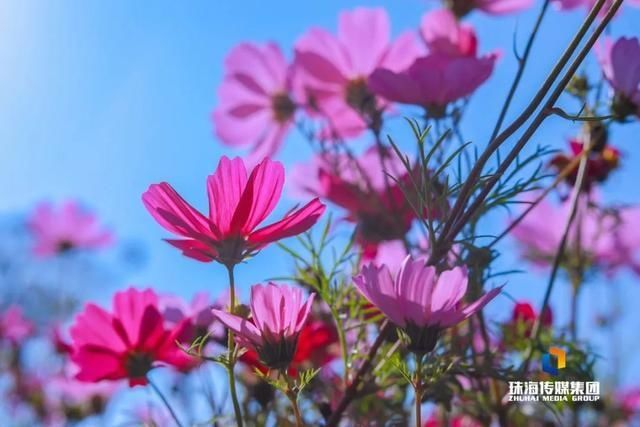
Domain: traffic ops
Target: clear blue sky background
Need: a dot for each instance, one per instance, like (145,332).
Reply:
(100,99)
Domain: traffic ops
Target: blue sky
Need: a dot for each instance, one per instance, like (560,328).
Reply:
(100,99)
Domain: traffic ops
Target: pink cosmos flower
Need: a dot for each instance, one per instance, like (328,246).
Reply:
(278,314)
(443,33)
(389,253)
(523,318)
(420,301)
(362,186)
(451,71)
(392,254)
(14,327)
(315,348)
(492,7)
(435,420)
(600,163)
(620,62)
(175,310)
(237,206)
(67,227)
(523,311)
(629,401)
(256,107)
(126,342)
(197,314)
(609,238)
(565,5)
(71,396)
(332,71)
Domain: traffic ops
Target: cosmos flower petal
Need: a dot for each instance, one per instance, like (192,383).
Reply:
(224,188)
(293,224)
(238,325)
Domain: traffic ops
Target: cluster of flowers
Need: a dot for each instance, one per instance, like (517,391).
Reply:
(347,80)
(424,307)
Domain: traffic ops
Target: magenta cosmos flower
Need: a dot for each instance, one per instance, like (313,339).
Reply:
(255,104)
(609,238)
(620,61)
(67,227)
(278,314)
(237,206)
(419,301)
(450,71)
(629,401)
(332,70)
(364,187)
(492,7)
(127,342)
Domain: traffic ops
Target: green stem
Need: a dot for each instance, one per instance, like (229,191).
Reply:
(458,216)
(522,64)
(559,256)
(573,320)
(296,411)
(352,390)
(231,347)
(417,386)
(342,340)
(293,398)
(165,401)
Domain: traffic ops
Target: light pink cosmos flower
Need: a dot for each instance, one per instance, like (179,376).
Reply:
(332,70)
(237,206)
(393,253)
(418,300)
(609,238)
(14,327)
(443,33)
(128,341)
(256,107)
(197,314)
(175,309)
(59,229)
(492,7)
(450,71)
(565,5)
(389,253)
(620,62)
(278,314)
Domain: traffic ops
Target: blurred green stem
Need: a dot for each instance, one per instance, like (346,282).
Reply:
(342,340)
(231,350)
